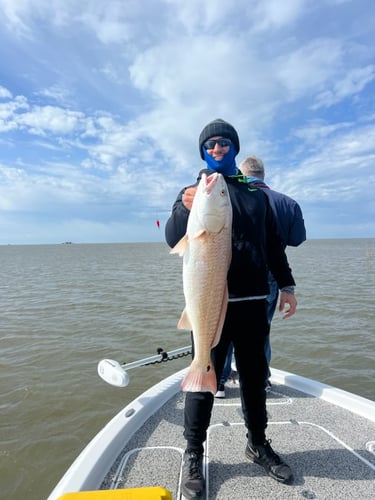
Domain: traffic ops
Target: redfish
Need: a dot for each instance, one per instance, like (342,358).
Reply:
(207,250)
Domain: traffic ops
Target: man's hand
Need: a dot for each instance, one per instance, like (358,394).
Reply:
(188,196)
(287,299)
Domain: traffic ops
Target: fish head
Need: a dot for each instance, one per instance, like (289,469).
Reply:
(212,204)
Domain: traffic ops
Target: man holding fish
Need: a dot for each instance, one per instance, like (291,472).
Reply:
(226,232)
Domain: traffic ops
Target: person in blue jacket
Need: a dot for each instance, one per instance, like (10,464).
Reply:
(256,248)
(290,223)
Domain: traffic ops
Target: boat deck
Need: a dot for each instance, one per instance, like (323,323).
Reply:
(330,450)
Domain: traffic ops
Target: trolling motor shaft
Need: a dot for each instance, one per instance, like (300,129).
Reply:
(114,373)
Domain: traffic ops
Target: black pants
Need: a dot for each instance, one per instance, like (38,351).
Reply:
(247,327)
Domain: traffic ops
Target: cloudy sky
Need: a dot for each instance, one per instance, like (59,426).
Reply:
(102,102)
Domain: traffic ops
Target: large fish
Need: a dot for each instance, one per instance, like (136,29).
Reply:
(207,250)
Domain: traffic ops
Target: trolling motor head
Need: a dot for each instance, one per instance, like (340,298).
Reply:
(112,373)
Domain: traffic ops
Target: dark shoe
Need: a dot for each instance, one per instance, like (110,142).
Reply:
(220,392)
(268,386)
(192,480)
(270,461)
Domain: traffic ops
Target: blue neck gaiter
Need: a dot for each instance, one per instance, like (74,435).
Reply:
(250,179)
(226,166)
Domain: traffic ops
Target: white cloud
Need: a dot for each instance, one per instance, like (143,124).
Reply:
(339,171)
(49,119)
(58,93)
(308,68)
(5,92)
(276,14)
(350,85)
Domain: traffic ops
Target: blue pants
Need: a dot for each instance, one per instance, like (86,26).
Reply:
(227,366)
(271,308)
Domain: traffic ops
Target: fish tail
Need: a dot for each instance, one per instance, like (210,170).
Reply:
(200,379)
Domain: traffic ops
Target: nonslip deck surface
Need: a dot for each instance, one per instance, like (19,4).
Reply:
(329,449)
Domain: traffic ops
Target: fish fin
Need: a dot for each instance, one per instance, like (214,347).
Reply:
(223,313)
(199,234)
(200,379)
(184,321)
(181,246)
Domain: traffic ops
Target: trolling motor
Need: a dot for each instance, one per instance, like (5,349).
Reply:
(114,373)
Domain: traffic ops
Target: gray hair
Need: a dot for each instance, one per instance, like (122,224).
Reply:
(252,166)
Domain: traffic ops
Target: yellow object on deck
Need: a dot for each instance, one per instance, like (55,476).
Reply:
(149,493)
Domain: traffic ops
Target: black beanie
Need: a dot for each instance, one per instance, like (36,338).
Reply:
(221,128)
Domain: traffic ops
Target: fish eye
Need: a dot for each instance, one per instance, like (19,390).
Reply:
(222,192)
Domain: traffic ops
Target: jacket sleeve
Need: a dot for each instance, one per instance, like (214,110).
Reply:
(297,230)
(175,227)
(277,258)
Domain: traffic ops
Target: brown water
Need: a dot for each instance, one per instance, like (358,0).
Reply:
(65,307)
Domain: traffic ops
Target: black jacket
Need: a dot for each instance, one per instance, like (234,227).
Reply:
(256,244)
